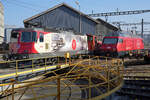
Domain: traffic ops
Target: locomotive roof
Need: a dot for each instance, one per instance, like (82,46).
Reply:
(66,31)
(35,29)
(122,34)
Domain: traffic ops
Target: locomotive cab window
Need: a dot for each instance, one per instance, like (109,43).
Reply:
(90,38)
(110,41)
(41,37)
(28,37)
(95,40)
(14,36)
(120,40)
(34,37)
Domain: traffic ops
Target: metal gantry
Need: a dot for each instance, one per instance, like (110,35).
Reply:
(119,13)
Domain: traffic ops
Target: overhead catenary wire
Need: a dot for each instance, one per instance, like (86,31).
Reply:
(29,4)
(26,5)
(21,5)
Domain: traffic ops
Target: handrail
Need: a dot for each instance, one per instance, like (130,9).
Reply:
(95,73)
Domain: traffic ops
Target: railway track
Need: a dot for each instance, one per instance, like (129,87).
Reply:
(136,69)
(136,80)
(135,90)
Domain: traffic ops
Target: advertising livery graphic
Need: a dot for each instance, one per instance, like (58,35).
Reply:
(65,42)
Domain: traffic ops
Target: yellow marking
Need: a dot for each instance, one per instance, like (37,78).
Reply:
(31,71)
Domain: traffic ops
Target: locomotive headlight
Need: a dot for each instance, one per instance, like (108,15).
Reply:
(114,49)
(18,46)
(108,47)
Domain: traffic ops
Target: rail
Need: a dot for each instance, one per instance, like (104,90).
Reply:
(87,79)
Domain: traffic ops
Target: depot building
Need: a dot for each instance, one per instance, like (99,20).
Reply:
(65,16)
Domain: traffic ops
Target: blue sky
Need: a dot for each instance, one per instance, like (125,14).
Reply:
(15,11)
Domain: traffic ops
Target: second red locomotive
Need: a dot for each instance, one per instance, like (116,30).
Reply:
(120,44)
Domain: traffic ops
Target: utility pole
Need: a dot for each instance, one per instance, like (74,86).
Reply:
(79,16)
(142,28)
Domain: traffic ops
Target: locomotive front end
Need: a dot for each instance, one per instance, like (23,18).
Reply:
(109,47)
(21,44)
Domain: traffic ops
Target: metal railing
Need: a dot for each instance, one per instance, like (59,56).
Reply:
(84,79)
(19,67)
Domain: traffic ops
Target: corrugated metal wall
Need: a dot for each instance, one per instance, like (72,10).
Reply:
(65,17)
(1,22)
(102,30)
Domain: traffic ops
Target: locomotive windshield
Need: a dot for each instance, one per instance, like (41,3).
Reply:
(110,41)
(28,37)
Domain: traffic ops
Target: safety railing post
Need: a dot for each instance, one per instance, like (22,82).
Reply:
(13,92)
(7,98)
(58,60)
(69,60)
(66,58)
(118,70)
(108,80)
(146,53)
(122,69)
(45,63)
(58,88)
(13,87)
(32,66)
(108,74)
(89,59)
(16,68)
(89,87)
(97,60)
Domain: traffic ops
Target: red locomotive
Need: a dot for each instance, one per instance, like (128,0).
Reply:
(35,42)
(120,44)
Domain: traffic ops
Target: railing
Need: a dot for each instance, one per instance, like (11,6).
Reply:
(19,67)
(87,79)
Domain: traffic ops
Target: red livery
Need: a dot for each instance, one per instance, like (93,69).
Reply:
(121,44)
(39,42)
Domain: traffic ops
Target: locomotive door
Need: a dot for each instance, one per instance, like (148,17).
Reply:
(121,45)
(91,42)
(41,43)
(47,41)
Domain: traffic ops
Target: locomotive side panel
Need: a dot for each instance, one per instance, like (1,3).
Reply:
(30,43)
(58,42)
(43,42)
(139,44)
(129,44)
(121,45)
(68,42)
